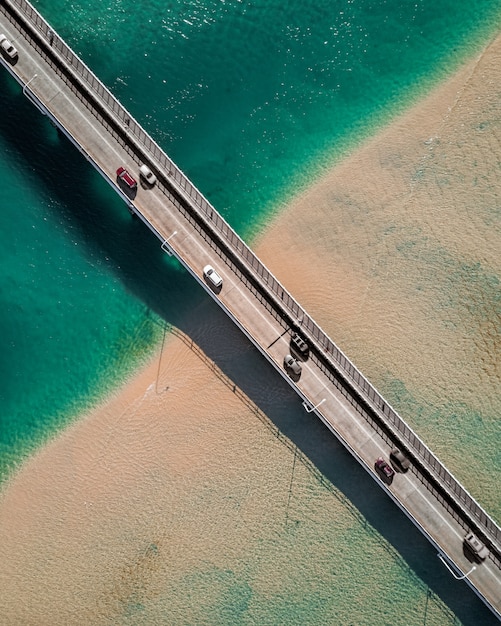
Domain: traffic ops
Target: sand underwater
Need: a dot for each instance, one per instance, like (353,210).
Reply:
(199,492)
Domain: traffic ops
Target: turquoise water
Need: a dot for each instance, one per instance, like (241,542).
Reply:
(77,312)
(251,100)
(59,342)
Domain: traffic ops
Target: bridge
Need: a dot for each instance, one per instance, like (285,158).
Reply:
(65,90)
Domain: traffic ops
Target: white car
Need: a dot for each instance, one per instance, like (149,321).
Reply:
(212,277)
(8,48)
(147,175)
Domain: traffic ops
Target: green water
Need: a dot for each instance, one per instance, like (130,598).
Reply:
(252,100)
(59,341)
(77,311)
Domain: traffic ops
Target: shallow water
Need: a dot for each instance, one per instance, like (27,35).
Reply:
(251,103)
(167,512)
(247,137)
(407,237)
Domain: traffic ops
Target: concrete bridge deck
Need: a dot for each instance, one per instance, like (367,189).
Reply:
(61,86)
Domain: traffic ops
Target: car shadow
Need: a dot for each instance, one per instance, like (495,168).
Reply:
(9,60)
(130,193)
(216,289)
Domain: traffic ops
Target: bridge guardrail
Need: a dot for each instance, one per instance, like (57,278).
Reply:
(332,353)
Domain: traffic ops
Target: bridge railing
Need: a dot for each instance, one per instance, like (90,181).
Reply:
(339,360)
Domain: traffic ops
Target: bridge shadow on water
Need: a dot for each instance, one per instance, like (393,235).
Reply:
(102,221)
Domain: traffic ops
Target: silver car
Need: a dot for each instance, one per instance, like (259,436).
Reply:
(476,548)
(7,48)
(292,367)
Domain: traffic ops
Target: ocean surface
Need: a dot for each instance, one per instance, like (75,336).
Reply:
(253,100)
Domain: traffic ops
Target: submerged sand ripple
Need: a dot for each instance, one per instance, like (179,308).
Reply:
(176,502)
(396,253)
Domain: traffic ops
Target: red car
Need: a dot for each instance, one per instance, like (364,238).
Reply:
(384,471)
(124,176)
